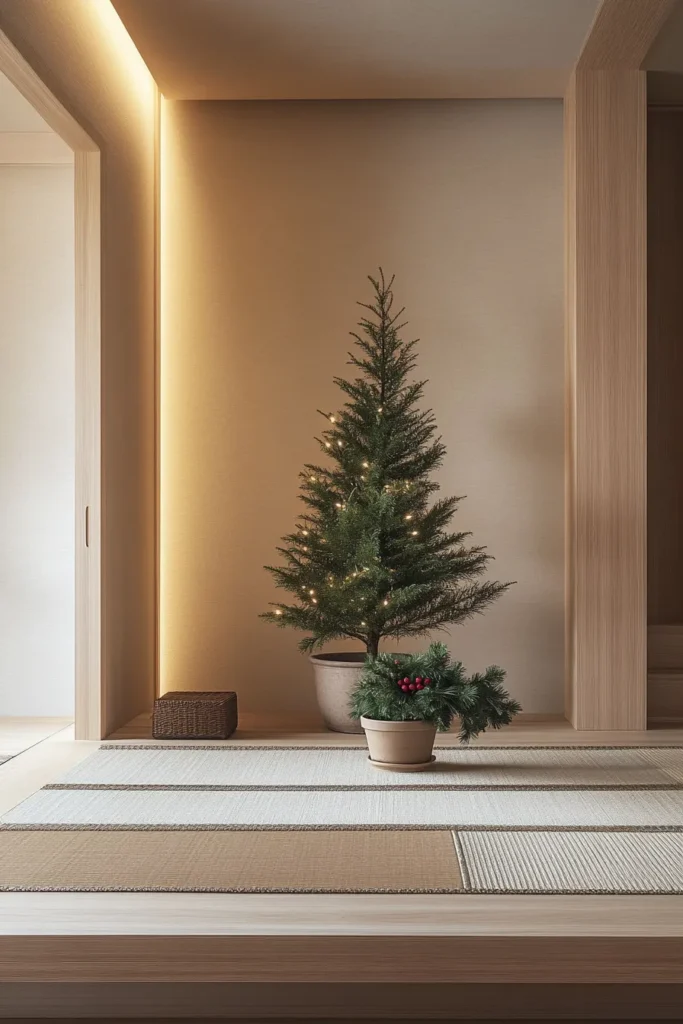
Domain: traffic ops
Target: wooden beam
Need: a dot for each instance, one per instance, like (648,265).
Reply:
(90,678)
(622,33)
(20,73)
(325,958)
(606,331)
(606,347)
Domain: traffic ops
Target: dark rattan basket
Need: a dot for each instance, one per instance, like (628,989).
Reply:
(195,715)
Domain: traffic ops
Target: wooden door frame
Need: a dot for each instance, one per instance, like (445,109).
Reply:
(89,677)
(605,112)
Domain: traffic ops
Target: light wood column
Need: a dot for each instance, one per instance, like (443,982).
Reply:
(605,145)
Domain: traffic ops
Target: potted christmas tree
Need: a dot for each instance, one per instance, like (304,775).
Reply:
(401,701)
(372,555)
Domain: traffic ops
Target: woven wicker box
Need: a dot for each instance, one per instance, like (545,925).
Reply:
(195,715)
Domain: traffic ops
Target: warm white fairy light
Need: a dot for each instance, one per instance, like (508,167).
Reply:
(327,444)
(366,465)
(413,533)
(409,517)
(385,603)
(381,409)
(305,533)
(333,419)
(278,612)
(312,479)
(363,623)
(337,504)
(339,444)
(311,592)
(315,600)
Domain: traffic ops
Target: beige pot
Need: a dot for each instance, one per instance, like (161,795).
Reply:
(399,745)
(336,676)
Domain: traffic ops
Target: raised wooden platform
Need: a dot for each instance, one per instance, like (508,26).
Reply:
(531,730)
(317,957)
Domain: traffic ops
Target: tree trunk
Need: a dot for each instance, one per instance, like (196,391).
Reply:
(373,646)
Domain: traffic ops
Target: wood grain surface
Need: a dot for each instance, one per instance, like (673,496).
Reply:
(606,397)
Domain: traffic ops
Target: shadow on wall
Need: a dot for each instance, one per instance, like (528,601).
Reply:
(277,212)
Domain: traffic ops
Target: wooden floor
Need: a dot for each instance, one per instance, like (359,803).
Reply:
(255,943)
(528,731)
(18,734)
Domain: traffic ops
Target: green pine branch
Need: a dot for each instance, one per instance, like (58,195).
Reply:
(478,702)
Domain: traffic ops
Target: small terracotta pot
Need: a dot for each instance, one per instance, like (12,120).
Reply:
(401,746)
(336,677)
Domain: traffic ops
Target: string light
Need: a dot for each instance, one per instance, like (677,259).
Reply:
(311,592)
(386,603)
(278,612)
(363,623)
(409,517)
(332,419)
(314,600)
(312,479)
(305,533)
(414,533)
(381,409)
(366,465)
(327,444)
(337,504)
(339,444)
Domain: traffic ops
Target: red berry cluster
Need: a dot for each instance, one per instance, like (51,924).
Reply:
(411,685)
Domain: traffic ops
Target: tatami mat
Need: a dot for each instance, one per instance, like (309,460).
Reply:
(229,861)
(235,767)
(463,862)
(571,862)
(326,809)
(214,818)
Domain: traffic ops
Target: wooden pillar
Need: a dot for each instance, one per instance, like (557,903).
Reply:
(606,361)
(606,335)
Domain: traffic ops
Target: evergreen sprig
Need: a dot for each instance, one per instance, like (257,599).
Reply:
(479,701)
(372,555)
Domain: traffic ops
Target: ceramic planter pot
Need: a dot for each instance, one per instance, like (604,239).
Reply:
(336,676)
(400,746)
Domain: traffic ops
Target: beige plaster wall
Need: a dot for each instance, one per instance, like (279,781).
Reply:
(273,214)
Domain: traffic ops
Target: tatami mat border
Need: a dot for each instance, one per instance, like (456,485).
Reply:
(392,787)
(238,744)
(357,892)
(216,827)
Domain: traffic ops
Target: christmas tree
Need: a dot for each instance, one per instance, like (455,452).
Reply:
(372,555)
